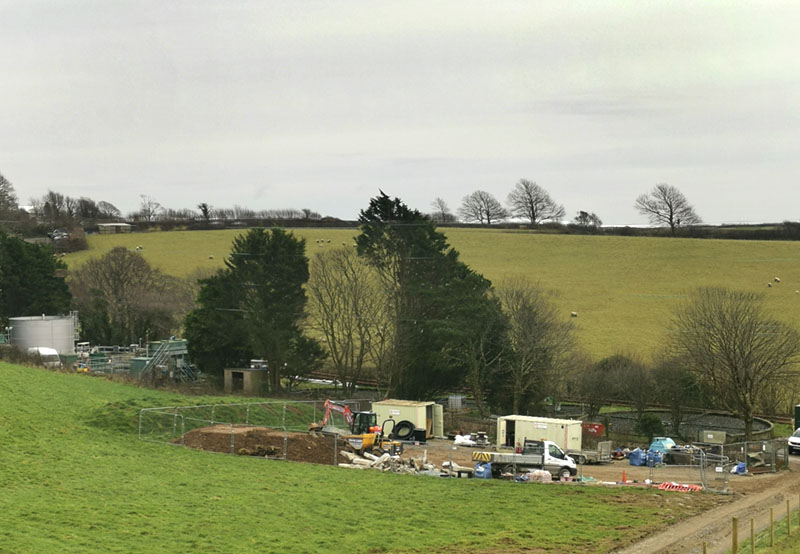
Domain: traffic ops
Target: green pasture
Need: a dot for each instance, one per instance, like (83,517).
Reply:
(75,478)
(624,289)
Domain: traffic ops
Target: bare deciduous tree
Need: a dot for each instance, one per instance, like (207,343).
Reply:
(735,348)
(149,208)
(348,308)
(108,210)
(482,207)
(205,210)
(530,201)
(586,219)
(8,199)
(441,211)
(121,298)
(666,205)
(540,343)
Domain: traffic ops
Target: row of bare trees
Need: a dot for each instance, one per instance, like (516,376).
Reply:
(527,201)
(664,205)
(151,210)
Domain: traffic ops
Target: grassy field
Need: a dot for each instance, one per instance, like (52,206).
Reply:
(75,478)
(623,288)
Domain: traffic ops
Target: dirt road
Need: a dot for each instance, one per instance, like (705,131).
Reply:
(714,526)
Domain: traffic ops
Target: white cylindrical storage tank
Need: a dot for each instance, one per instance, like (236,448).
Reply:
(54,331)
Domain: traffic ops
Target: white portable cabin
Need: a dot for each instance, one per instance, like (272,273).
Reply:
(566,433)
(424,415)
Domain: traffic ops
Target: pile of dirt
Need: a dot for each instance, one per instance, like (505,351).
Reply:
(248,440)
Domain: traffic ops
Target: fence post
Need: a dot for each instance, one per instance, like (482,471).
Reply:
(335,449)
(140,423)
(735,535)
(771,527)
(285,444)
(183,430)
(247,415)
(175,421)
(752,537)
(283,417)
(788,519)
(705,547)
(233,440)
(213,407)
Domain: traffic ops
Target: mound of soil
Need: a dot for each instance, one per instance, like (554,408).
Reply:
(260,441)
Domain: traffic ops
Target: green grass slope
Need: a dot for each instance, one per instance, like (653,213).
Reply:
(75,478)
(624,289)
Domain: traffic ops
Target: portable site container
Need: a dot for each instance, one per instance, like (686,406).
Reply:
(566,433)
(424,415)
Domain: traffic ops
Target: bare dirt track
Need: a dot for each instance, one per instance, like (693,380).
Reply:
(752,498)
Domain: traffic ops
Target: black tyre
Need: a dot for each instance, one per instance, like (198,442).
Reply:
(508,468)
(403,430)
(564,473)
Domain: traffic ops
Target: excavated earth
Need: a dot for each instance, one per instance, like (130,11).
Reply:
(261,441)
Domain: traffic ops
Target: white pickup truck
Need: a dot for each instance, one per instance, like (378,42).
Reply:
(545,455)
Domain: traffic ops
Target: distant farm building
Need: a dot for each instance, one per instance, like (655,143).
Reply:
(111,228)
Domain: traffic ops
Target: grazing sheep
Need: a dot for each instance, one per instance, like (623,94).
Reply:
(139,247)
(769,284)
(573,314)
(211,256)
(777,280)
(329,241)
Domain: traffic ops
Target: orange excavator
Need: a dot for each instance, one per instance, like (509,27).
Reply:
(365,433)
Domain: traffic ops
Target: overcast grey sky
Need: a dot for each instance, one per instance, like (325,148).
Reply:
(316,105)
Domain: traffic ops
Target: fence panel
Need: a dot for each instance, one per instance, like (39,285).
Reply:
(274,430)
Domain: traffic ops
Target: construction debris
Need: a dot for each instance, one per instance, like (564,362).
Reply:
(387,462)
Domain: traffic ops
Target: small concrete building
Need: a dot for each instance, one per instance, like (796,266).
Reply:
(246,380)
(424,415)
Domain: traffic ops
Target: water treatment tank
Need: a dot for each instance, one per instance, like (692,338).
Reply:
(53,331)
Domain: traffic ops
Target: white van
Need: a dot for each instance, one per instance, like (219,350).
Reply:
(49,356)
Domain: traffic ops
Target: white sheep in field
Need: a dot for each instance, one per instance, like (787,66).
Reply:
(139,247)
(211,256)
(769,284)
(573,314)
(777,280)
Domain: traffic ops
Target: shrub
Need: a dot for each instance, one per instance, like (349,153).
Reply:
(649,425)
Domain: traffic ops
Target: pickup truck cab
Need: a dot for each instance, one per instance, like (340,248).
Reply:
(545,455)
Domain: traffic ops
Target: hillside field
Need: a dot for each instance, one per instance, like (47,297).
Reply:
(624,289)
(75,478)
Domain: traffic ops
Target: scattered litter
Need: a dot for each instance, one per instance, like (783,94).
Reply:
(540,476)
(464,440)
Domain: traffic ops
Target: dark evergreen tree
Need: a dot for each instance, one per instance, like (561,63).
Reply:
(31,279)
(254,307)
(433,297)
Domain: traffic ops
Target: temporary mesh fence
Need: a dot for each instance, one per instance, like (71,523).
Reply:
(276,429)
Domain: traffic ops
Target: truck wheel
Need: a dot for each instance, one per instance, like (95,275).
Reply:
(509,469)
(581,459)
(564,473)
